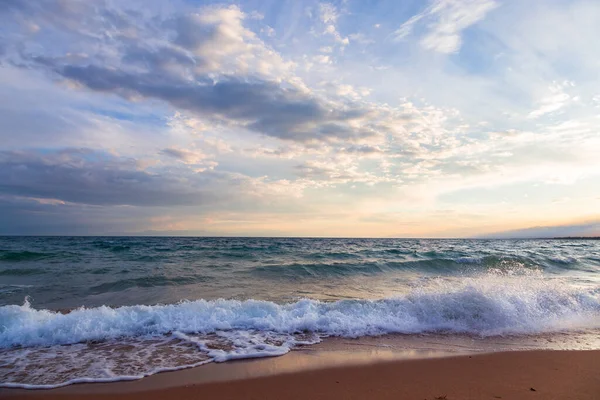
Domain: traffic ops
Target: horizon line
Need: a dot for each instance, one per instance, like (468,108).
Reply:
(313,237)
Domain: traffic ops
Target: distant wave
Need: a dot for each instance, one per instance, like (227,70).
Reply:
(148,281)
(457,265)
(23,255)
(12,288)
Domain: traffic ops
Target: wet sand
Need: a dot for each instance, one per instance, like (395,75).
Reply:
(536,374)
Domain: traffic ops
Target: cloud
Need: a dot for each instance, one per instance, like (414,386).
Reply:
(339,170)
(329,14)
(184,155)
(261,106)
(322,59)
(269,31)
(556,100)
(219,42)
(27,216)
(88,177)
(182,71)
(444,21)
(363,150)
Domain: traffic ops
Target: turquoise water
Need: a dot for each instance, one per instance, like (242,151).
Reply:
(79,309)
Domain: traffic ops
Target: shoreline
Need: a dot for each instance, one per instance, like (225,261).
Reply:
(553,374)
(330,352)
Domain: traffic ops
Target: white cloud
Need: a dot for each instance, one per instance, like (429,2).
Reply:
(322,59)
(221,42)
(329,14)
(360,38)
(445,20)
(269,31)
(555,100)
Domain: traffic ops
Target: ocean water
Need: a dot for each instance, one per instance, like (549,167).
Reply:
(94,309)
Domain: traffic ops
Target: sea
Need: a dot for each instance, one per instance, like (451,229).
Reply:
(101,309)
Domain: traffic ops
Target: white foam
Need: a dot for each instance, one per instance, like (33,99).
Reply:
(127,359)
(242,344)
(489,305)
(135,358)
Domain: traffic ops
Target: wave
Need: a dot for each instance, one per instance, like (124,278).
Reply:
(489,305)
(460,265)
(12,288)
(446,264)
(114,245)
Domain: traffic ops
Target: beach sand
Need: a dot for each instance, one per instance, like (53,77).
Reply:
(537,374)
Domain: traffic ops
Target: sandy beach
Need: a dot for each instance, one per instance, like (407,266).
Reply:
(539,374)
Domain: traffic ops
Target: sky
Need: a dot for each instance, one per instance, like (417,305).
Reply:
(440,118)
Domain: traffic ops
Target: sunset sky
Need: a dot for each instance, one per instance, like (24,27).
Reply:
(351,118)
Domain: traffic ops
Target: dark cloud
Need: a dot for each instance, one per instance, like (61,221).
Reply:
(81,191)
(191,33)
(262,106)
(187,156)
(175,153)
(158,58)
(88,177)
(362,150)
(24,216)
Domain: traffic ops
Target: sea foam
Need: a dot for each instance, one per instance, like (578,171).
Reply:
(487,305)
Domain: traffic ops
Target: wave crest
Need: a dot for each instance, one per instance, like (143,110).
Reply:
(494,304)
